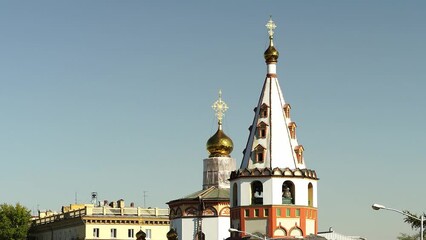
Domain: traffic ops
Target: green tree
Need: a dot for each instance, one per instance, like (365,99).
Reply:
(14,221)
(404,236)
(415,225)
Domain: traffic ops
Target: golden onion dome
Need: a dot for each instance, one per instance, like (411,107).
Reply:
(220,145)
(271,54)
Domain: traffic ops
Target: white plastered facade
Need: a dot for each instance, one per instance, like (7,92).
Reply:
(215,228)
(273,186)
(279,145)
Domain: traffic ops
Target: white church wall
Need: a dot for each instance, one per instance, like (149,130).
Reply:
(214,228)
(310,226)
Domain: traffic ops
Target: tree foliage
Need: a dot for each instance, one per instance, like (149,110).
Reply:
(415,225)
(404,236)
(14,221)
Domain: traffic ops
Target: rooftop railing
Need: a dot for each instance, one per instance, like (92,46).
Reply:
(104,211)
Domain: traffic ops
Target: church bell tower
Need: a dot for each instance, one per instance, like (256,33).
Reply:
(273,193)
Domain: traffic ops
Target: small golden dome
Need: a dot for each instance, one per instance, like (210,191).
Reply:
(220,145)
(271,54)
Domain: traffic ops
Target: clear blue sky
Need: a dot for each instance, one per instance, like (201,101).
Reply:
(115,97)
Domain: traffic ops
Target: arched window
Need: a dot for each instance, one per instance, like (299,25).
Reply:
(262,129)
(288,193)
(264,111)
(310,195)
(259,154)
(257,192)
(235,195)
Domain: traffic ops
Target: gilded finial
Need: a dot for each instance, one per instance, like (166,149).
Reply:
(219,145)
(220,108)
(271,54)
(270,25)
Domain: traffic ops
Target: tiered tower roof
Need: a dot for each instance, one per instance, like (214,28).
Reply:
(272,141)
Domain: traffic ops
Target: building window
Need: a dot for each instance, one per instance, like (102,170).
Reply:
(298,212)
(287,108)
(262,130)
(256,212)
(288,193)
(278,212)
(299,153)
(259,156)
(148,233)
(292,127)
(266,212)
(113,232)
(131,233)
(96,232)
(257,192)
(287,213)
(310,195)
(247,212)
(259,152)
(263,111)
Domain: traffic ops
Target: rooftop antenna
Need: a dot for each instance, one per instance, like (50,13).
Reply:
(94,200)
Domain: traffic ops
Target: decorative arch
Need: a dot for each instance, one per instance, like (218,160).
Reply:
(226,211)
(257,192)
(280,232)
(296,231)
(191,211)
(256,172)
(288,192)
(267,171)
(210,211)
(277,171)
(235,195)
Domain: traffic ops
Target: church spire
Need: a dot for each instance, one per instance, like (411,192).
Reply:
(272,141)
(273,193)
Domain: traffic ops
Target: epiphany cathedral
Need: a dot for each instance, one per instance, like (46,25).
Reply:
(272,195)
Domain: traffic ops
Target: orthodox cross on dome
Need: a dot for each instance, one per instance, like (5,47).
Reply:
(220,108)
(270,25)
